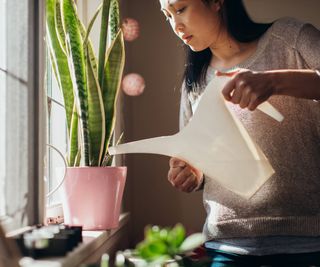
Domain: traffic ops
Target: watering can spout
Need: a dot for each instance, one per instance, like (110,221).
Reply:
(157,145)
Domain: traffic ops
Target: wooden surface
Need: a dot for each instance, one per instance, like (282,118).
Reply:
(9,255)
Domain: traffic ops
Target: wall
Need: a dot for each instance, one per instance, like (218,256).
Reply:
(157,55)
(269,10)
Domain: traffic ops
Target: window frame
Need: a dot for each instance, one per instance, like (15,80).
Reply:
(36,118)
(37,104)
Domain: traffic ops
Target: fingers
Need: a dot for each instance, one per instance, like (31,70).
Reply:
(245,98)
(246,90)
(185,181)
(228,89)
(238,92)
(190,183)
(175,162)
(254,102)
(182,176)
(173,173)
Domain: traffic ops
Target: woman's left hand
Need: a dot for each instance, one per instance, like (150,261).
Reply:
(247,88)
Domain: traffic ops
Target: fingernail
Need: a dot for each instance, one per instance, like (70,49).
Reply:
(182,164)
(179,163)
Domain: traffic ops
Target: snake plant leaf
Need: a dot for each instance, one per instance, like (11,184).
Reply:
(107,160)
(96,116)
(103,39)
(111,83)
(85,35)
(78,158)
(59,59)
(76,62)
(53,65)
(59,26)
(73,138)
(114,19)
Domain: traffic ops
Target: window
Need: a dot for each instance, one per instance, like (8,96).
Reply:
(21,109)
(56,135)
(2,105)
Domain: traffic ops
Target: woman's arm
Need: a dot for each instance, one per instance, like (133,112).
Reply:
(249,89)
(297,83)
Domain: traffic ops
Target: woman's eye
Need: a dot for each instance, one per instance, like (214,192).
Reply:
(179,11)
(167,16)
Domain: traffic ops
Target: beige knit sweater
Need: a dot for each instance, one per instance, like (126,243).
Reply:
(289,202)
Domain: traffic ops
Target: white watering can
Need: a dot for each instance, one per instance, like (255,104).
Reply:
(215,142)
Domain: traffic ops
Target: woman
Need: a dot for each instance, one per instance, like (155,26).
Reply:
(280,224)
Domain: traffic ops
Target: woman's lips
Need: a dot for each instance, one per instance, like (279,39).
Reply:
(187,39)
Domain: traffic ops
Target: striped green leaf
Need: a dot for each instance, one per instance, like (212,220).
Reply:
(114,19)
(59,59)
(73,138)
(78,72)
(111,85)
(96,116)
(85,36)
(59,26)
(103,39)
(78,158)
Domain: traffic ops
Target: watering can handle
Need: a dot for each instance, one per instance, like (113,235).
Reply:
(265,107)
(64,174)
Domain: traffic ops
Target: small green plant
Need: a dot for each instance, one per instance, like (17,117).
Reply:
(89,85)
(164,244)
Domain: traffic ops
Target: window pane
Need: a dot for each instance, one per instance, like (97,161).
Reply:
(16,148)
(2,103)
(3,34)
(17,38)
(14,96)
(57,135)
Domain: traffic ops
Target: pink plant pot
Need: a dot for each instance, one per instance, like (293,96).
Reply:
(92,196)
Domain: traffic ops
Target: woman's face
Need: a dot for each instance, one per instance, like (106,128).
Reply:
(196,23)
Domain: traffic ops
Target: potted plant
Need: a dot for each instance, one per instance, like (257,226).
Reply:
(168,247)
(90,86)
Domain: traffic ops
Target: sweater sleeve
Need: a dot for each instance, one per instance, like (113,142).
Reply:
(308,45)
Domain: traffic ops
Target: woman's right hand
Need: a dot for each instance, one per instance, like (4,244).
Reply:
(184,177)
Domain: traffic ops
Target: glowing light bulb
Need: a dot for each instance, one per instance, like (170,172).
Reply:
(130,29)
(133,84)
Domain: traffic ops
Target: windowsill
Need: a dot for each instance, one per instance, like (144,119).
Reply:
(94,244)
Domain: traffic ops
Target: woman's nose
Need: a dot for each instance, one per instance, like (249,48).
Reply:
(177,26)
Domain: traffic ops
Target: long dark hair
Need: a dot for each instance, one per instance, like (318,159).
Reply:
(239,25)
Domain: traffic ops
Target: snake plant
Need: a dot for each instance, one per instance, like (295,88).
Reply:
(89,85)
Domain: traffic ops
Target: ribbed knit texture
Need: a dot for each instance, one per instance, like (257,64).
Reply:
(289,202)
